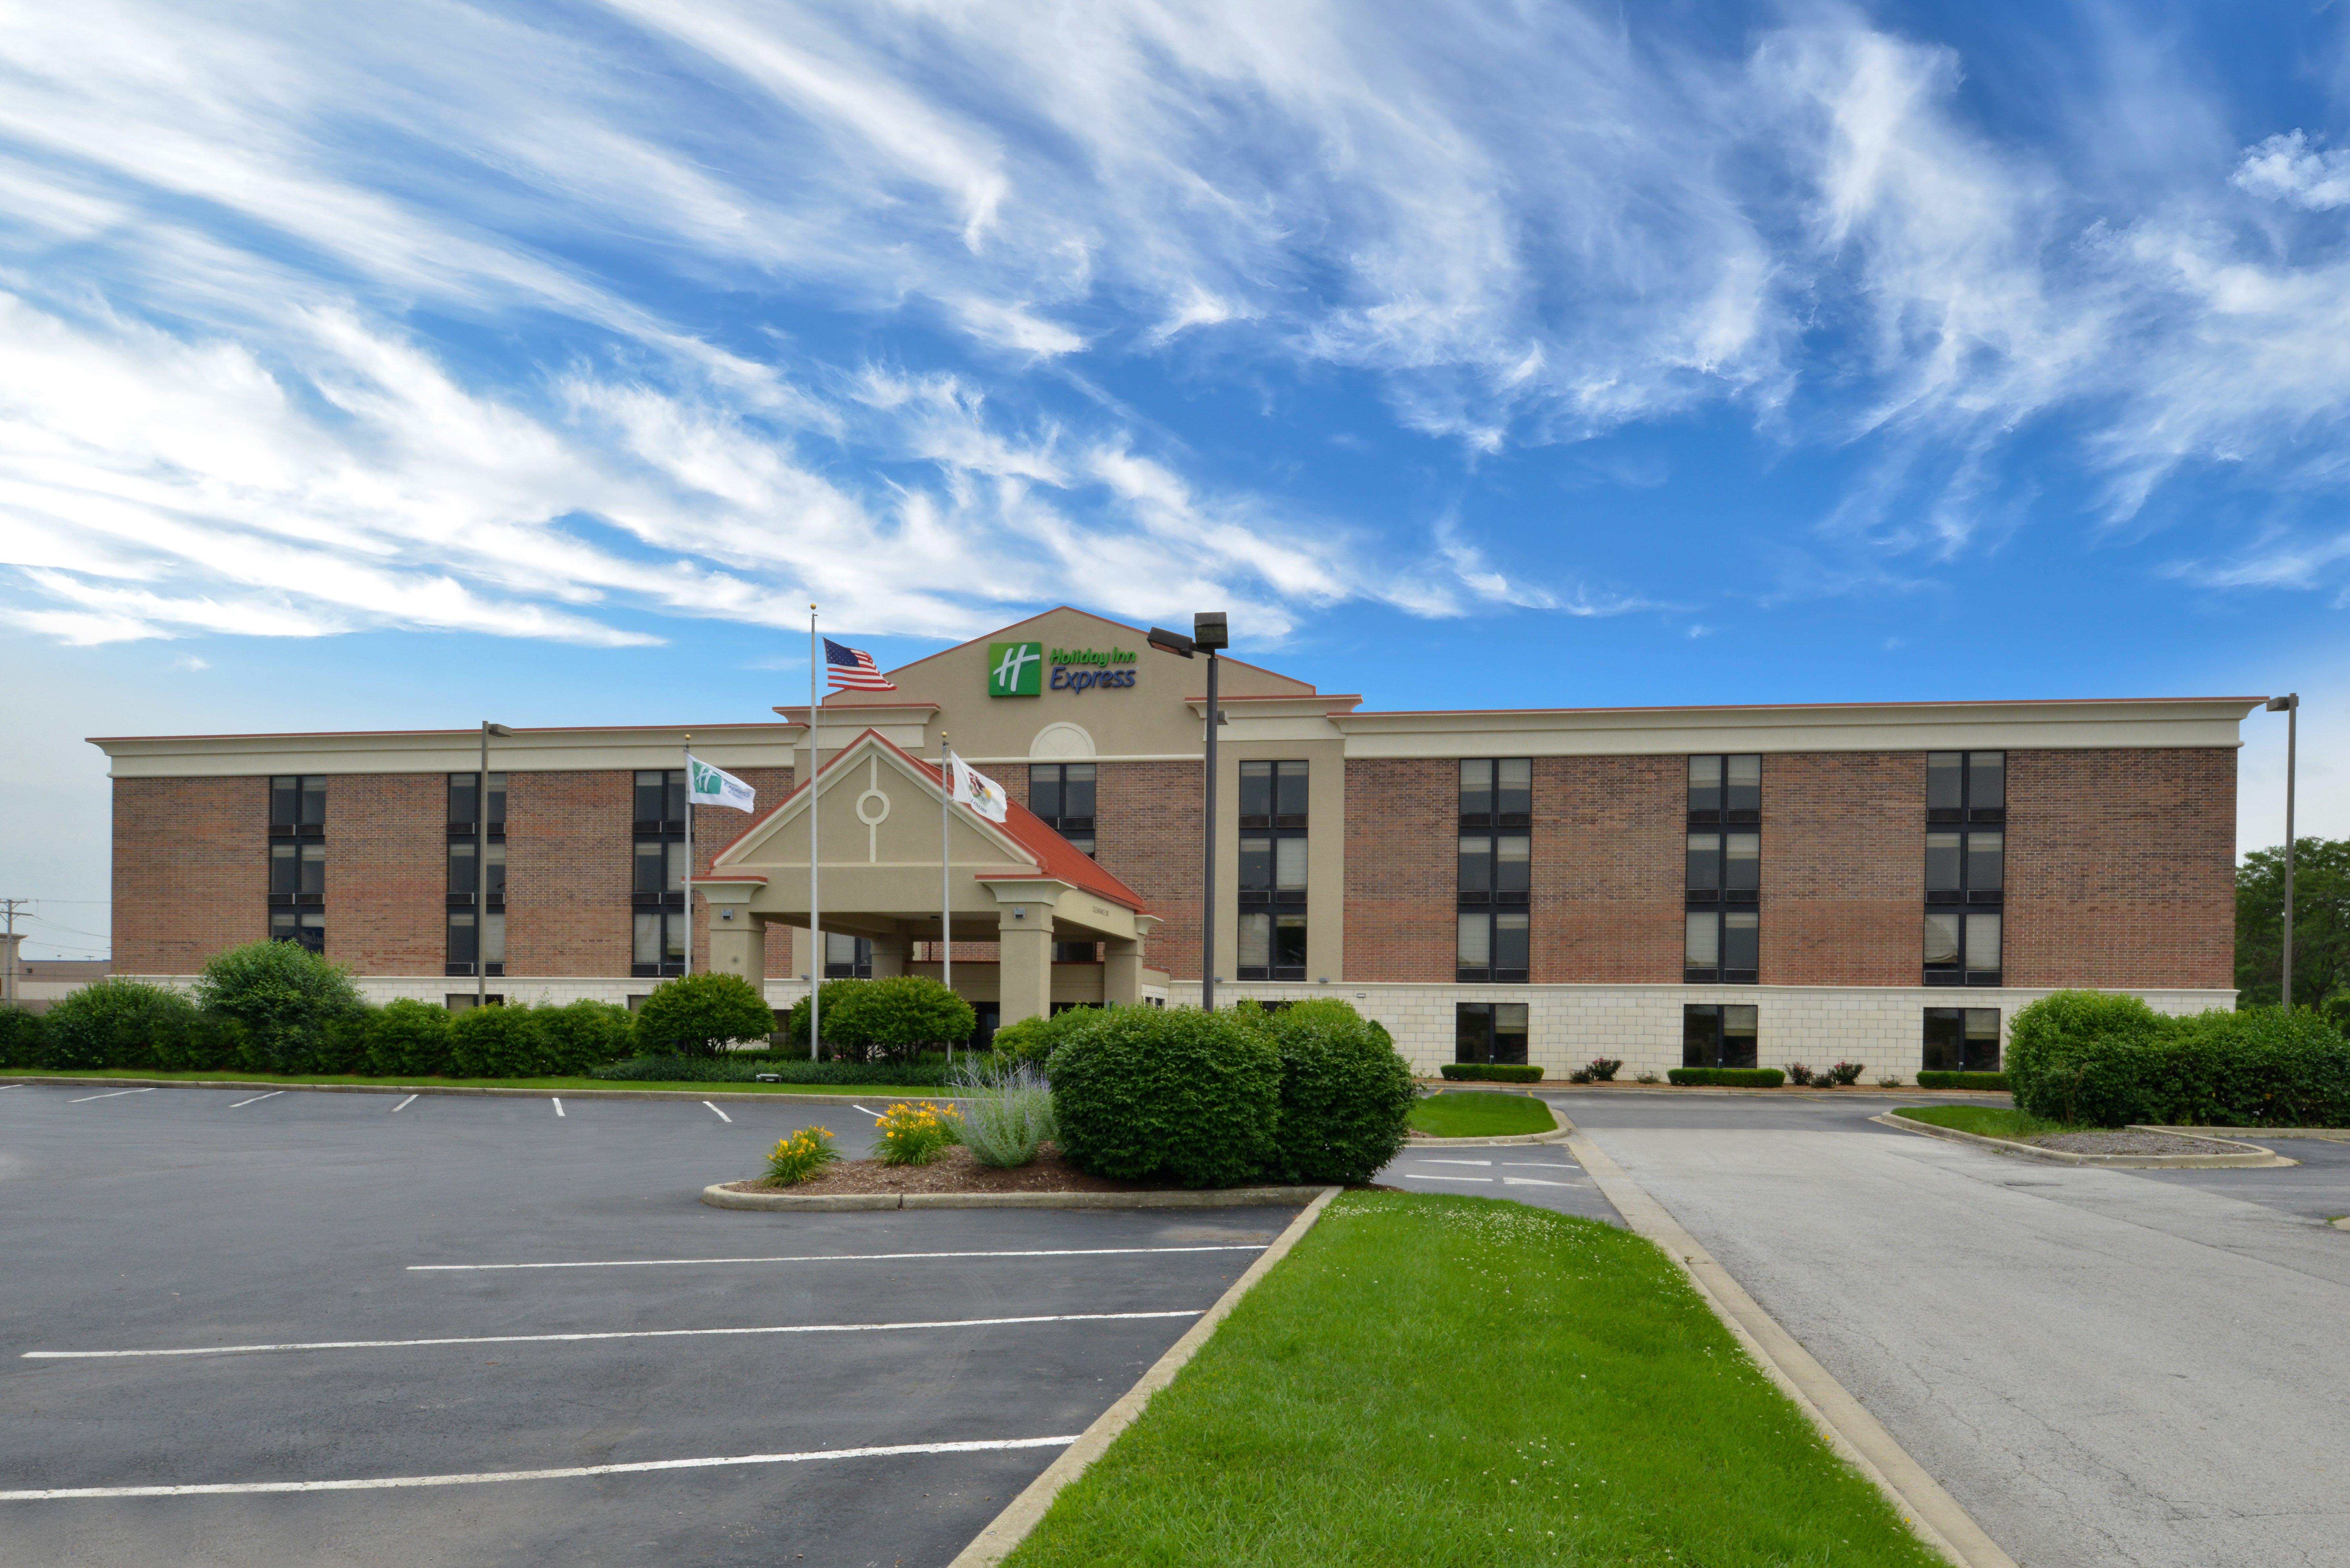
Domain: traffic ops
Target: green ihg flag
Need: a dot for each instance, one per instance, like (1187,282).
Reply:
(706,785)
(1015,669)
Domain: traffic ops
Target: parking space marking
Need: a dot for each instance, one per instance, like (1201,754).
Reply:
(115,1094)
(256,1099)
(722,1115)
(1438,1176)
(621,1333)
(869,1111)
(3,1087)
(1536,1182)
(1427,1161)
(641,1466)
(404,1103)
(1540,1164)
(559,1105)
(834,1258)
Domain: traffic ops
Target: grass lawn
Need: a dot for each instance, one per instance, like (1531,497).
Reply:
(551,1085)
(1986,1121)
(1440,1382)
(1480,1114)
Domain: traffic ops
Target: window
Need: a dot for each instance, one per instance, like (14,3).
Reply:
(1724,868)
(1962,949)
(1272,858)
(1076,953)
(1490,1032)
(463,788)
(468,937)
(1491,947)
(1966,865)
(1063,794)
(297,874)
(1721,945)
(1961,1040)
(1966,786)
(1273,946)
(659,944)
(459,1001)
(846,956)
(306,927)
(657,877)
(1725,790)
(1497,792)
(297,806)
(464,882)
(1719,1036)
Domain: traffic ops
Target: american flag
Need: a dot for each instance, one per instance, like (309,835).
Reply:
(853,670)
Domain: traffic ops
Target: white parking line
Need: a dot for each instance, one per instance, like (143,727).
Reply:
(4,1087)
(1456,1162)
(640,1467)
(622,1334)
(256,1099)
(1540,1164)
(722,1115)
(1433,1175)
(1536,1182)
(116,1094)
(404,1103)
(559,1105)
(869,1111)
(835,1258)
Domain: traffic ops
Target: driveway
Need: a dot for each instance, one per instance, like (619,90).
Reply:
(344,1268)
(2104,1366)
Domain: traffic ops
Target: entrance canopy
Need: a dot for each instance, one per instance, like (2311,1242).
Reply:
(1018,884)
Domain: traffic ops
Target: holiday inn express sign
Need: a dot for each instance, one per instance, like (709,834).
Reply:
(1017,668)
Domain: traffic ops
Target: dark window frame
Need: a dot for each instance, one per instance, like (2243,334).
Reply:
(308,928)
(1720,893)
(1257,886)
(1723,811)
(1958,971)
(293,865)
(1080,828)
(663,830)
(1478,1031)
(1713,1050)
(1722,973)
(1966,892)
(859,963)
(1493,974)
(1286,917)
(298,805)
(1967,809)
(1933,1054)
(471,946)
(1493,810)
(671,916)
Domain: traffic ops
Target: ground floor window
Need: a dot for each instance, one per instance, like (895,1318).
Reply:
(1490,1032)
(467,945)
(1961,1040)
(659,947)
(1491,947)
(1722,946)
(1272,946)
(305,927)
(1076,953)
(846,956)
(458,1001)
(1718,1036)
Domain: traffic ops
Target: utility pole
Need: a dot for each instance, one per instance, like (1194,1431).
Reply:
(8,976)
(2290,706)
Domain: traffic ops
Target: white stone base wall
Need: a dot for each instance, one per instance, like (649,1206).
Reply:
(1567,1026)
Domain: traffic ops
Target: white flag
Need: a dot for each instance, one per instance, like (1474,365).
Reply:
(977,791)
(706,785)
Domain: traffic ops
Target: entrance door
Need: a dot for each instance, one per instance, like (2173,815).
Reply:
(983,1036)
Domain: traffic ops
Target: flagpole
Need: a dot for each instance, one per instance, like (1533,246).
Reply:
(946,888)
(816,926)
(689,854)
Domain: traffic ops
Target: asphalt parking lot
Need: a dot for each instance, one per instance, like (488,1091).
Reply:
(368,1243)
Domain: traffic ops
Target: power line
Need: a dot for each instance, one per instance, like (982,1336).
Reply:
(36,915)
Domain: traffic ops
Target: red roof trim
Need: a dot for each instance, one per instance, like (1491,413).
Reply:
(466,734)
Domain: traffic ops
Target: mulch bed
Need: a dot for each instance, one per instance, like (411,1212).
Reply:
(953,1171)
(2125,1140)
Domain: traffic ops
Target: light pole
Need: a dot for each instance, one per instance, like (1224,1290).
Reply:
(1208,635)
(482,867)
(2290,706)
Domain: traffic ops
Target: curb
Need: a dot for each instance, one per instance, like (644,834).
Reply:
(1858,1438)
(2330,1135)
(1785,1092)
(717,1197)
(1560,1133)
(1025,1512)
(2258,1159)
(847,1094)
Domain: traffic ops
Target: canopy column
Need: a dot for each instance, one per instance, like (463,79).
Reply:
(1025,938)
(738,939)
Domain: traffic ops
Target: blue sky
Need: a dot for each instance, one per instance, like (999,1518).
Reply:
(403,365)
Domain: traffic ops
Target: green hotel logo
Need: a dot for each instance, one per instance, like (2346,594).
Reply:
(1015,669)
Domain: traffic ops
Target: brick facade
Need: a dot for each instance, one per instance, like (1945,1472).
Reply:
(1844,869)
(1403,817)
(387,870)
(1147,832)
(1609,867)
(2121,868)
(191,871)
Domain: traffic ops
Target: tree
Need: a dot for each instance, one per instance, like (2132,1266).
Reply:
(696,1014)
(2321,923)
(286,997)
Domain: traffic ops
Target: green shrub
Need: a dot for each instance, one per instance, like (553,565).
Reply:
(1490,1073)
(2261,1066)
(113,1023)
(804,1154)
(1035,1039)
(497,1043)
(582,1036)
(1729,1077)
(2078,1056)
(796,1021)
(20,1037)
(696,1014)
(209,1044)
(343,1043)
(892,1018)
(1168,1094)
(409,1040)
(1930,1080)
(730,1067)
(283,997)
(1344,1095)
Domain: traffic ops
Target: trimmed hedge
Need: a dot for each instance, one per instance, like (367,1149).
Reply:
(1345,1092)
(1729,1077)
(20,1037)
(286,1000)
(1035,1039)
(1490,1073)
(2086,1056)
(1168,1094)
(731,1067)
(497,1043)
(1932,1080)
(695,1014)
(409,1040)
(112,1022)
